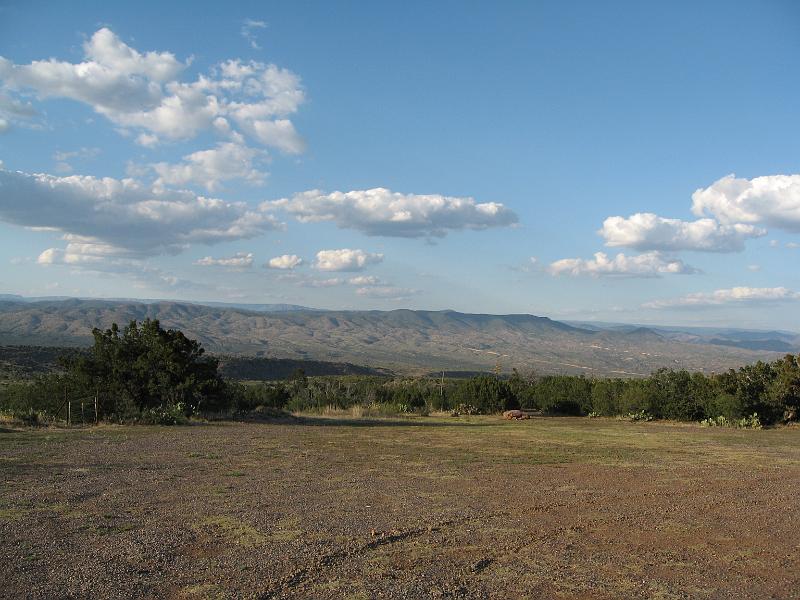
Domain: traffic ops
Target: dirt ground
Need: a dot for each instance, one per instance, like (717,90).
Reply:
(471,507)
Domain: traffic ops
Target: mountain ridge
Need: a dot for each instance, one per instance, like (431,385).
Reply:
(404,339)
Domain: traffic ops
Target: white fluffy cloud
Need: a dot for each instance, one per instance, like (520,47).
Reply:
(382,212)
(345,259)
(650,264)
(279,133)
(736,295)
(240,260)
(123,214)
(647,231)
(84,251)
(387,292)
(209,168)
(284,262)
(141,92)
(773,200)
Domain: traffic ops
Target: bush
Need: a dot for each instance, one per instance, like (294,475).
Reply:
(641,415)
(487,393)
(170,414)
(146,364)
(748,422)
(29,417)
(563,395)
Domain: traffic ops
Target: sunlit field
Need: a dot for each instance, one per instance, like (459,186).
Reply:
(467,507)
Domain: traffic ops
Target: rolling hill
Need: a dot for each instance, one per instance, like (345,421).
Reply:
(406,340)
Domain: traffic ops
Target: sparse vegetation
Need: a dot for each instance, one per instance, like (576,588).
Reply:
(750,422)
(146,374)
(468,507)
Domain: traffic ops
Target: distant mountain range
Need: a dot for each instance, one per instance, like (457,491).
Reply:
(253,307)
(770,341)
(404,340)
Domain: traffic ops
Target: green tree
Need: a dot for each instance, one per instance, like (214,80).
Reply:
(146,366)
(784,391)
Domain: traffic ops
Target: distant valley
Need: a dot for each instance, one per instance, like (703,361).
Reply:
(413,341)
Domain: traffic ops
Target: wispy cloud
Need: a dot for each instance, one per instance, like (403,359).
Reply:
(63,158)
(239,261)
(387,292)
(735,295)
(248,31)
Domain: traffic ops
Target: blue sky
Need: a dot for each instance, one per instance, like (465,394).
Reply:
(450,155)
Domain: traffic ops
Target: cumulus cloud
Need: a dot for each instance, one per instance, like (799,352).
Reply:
(345,259)
(736,295)
(209,168)
(650,264)
(141,92)
(83,255)
(240,260)
(380,211)
(284,262)
(647,231)
(387,292)
(124,214)
(772,200)
(81,250)
(279,133)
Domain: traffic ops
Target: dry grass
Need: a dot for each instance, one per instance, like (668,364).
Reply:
(336,506)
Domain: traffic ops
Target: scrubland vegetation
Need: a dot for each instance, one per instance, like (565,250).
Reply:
(309,506)
(435,507)
(144,373)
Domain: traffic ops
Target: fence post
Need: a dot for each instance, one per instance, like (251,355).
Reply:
(95,407)
(69,412)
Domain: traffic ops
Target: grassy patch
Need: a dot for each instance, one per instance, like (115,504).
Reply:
(204,591)
(12,514)
(234,531)
(286,530)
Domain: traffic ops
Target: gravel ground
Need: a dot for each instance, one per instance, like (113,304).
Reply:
(420,508)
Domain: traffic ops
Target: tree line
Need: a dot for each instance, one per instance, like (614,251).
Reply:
(147,373)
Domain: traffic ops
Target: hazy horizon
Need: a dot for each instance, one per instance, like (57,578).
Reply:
(568,320)
(618,162)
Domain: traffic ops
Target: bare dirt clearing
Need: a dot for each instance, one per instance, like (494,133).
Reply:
(446,508)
